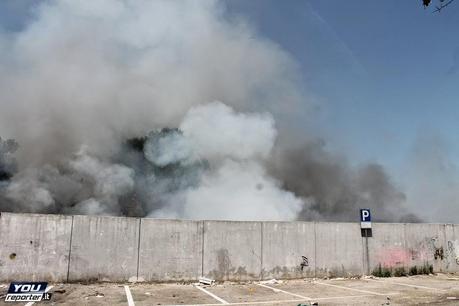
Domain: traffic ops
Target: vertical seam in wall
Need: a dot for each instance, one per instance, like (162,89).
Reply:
(70,250)
(261,250)
(138,249)
(315,250)
(202,249)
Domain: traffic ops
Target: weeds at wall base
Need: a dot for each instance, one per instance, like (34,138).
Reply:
(381,271)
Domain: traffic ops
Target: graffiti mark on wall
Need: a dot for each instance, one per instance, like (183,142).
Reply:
(451,253)
(304,262)
(428,249)
(439,253)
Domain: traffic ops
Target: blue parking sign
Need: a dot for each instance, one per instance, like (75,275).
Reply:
(365,215)
(365,218)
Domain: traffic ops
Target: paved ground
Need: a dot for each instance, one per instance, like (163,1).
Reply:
(441,289)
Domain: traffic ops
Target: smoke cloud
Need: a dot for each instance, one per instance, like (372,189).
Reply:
(115,106)
(333,190)
(431,178)
(234,184)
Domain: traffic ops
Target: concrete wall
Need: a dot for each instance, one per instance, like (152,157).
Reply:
(170,250)
(92,248)
(284,245)
(408,245)
(232,250)
(451,252)
(104,248)
(339,249)
(34,247)
(422,242)
(387,247)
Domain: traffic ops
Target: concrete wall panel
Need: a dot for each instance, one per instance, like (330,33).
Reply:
(387,247)
(451,256)
(38,247)
(284,244)
(104,248)
(34,247)
(232,250)
(339,250)
(426,244)
(170,250)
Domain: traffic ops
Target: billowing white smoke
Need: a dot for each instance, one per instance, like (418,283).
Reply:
(97,72)
(83,185)
(85,79)
(91,74)
(235,185)
(210,168)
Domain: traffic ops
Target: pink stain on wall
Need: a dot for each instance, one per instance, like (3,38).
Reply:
(394,256)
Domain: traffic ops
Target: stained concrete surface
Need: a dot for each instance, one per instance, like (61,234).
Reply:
(441,289)
(34,247)
(104,248)
(288,250)
(338,249)
(170,250)
(232,250)
(95,248)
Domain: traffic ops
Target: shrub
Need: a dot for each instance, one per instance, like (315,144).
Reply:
(381,272)
(400,272)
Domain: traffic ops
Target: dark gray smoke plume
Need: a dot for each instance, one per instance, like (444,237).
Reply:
(332,190)
(115,106)
(7,162)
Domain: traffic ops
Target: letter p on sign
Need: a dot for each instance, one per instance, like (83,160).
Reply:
(365,218)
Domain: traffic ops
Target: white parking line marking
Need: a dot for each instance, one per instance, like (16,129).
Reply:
(46,290)
(408,285)
(343,297)
(212,295)
(129,295)
(279,301)
(286,292)
(352,289)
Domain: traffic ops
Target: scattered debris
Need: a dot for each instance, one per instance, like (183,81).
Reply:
(271,282)
(206,281)
(387,302)
(96,294)
(369,277)
(59,291)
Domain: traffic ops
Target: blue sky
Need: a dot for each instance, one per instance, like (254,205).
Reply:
(384,73)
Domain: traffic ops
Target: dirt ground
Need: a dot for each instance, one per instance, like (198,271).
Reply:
(441,289)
